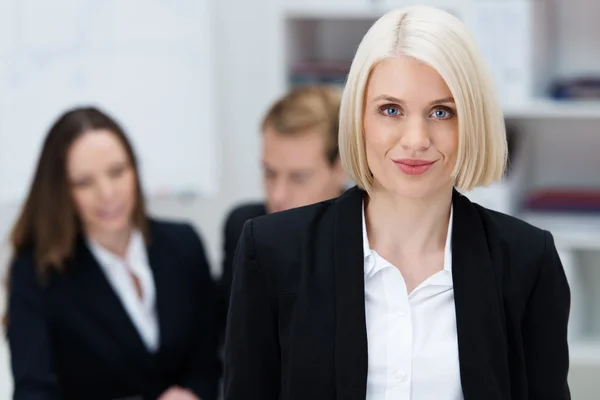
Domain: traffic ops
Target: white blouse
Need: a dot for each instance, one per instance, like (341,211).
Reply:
(412,339)
(142,312)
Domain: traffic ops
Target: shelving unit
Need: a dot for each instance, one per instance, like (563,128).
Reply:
(560,138)
(352,9)
(585,353)
(571,231)
(554,109)
(327,12)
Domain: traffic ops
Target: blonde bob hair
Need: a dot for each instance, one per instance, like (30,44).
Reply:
(441,41)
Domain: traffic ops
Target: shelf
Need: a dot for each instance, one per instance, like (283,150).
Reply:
(555,109)
(585,352)
(569,230)
(324,12)
(537,109)
(360,10)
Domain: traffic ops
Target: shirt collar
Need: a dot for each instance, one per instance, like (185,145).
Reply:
(135,248)
(367,252)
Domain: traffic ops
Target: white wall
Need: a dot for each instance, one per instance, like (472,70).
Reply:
(243,95)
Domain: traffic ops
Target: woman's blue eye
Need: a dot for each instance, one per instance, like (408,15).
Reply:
(390,111)
(442,113)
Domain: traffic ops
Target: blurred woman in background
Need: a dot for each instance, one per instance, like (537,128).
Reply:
(104,302)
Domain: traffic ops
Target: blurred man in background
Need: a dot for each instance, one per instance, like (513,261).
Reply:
(300,161)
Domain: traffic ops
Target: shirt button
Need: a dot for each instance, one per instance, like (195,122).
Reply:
(400,376)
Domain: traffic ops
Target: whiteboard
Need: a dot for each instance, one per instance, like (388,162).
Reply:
(148,63)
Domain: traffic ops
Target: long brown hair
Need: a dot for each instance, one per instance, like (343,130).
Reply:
(48,224)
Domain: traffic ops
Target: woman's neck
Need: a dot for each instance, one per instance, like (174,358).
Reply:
(115,242)
(403,227)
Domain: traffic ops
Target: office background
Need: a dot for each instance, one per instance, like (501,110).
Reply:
(544,54)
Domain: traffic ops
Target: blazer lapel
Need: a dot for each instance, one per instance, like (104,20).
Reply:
(351,360)
(167,285)
(479,313)
(311,350)
(98,296)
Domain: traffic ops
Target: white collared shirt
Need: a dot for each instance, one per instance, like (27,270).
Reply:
(142,312)
(412,339)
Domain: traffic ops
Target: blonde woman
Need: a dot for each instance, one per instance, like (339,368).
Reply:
(402,288)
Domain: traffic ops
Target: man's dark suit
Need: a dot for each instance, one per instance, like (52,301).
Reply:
(231,234)
(296,327)
(71,338)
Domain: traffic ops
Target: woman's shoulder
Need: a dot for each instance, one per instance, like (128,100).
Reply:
(163,229)
(275,244)
(290,225)
(519,250)
(511,229)
(22,269)
(284,235)
(179,238)
(523,245)
(243,212)
(25,256)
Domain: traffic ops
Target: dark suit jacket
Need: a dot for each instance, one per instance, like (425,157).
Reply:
(231,235)
(296,325)
(71,338)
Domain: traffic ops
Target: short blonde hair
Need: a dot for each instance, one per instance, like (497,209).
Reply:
(441,41)
(306,108)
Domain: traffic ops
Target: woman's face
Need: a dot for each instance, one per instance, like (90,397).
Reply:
(103,183)
(410,129)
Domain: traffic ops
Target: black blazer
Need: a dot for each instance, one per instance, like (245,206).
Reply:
(71,338)
(296,325)
(231,235)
